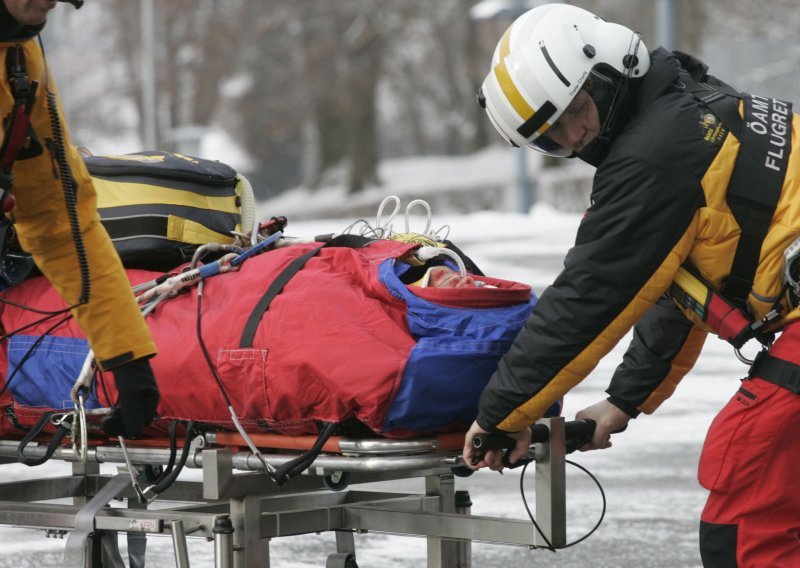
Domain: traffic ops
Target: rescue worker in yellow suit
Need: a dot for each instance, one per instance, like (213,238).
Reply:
(692,176)
(73,251)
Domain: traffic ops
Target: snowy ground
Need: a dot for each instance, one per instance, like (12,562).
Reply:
(649,475)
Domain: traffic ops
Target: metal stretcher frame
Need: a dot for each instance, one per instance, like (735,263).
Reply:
(238,508)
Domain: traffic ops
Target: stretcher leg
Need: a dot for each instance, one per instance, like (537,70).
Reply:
(179,544)
(137,541)
(109,549)
(345,555)
(442,553)
(345,542)
(551,486)
(76,552)
(248,549)
(223,542)
(464,550)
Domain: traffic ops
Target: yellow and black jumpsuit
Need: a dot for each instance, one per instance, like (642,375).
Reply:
(659,201)
(114,327)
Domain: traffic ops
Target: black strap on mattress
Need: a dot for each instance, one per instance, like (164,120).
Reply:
(277,285)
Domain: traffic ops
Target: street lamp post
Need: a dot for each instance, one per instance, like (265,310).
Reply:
(510,10)
(147,37)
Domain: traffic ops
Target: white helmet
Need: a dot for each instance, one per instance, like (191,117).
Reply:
(541,63)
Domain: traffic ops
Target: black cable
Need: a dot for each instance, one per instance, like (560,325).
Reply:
(550,546)
(34,310)
(602,514)
(68,184)
(33,324)
(207,357)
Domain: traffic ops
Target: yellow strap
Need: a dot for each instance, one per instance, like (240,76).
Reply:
(692,285)
(121,194)
(191,232)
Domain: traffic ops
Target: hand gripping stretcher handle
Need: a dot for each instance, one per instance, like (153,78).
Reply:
(577,433)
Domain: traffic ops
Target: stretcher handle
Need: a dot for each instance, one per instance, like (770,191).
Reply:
(577,433)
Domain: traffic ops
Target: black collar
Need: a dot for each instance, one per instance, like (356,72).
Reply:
(12,30)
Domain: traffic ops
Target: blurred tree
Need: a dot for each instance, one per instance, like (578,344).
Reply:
(342,54)
(310,106)
(438,61)
(195,40)
(317,91)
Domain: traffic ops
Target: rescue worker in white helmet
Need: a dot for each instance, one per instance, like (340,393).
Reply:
(692,177)
(56,219)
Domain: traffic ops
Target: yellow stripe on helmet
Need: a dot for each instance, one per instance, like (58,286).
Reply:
(518,102)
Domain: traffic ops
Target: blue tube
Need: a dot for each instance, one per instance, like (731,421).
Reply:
(257,248)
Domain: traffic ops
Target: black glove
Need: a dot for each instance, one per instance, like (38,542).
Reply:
(137,402)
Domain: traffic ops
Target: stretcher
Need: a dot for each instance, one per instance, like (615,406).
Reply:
(271,466)
(238,508)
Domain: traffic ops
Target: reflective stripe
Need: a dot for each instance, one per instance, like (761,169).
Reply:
(112,194)
(192,232)
(690,284)
(515,98)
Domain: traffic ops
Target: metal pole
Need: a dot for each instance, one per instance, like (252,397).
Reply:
(223,542)
(666,24)
(146,22)
(464,552)
(524,184)
(551,486)
(179,544)
(525,197)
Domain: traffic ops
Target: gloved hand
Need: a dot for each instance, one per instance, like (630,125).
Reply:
(137,402)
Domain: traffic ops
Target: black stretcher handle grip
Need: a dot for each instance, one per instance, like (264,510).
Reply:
(577,434)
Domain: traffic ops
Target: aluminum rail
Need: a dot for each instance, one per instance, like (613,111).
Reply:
(245,461)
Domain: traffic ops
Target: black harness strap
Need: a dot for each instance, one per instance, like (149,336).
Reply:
(18,126)
(758,175)
(722,99)
(275,288)
(277,285)
(776,371)
(756,185)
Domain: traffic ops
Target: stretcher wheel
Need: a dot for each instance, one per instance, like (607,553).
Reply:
(341,560)
(336,481)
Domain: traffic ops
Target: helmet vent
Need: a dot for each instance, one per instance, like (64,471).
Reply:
(552,65)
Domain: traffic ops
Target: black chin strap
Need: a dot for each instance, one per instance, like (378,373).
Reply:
(610,102)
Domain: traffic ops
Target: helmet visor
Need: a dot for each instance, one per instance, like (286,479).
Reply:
(546,145)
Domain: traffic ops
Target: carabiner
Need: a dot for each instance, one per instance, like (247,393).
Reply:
(81,410)
(765,347)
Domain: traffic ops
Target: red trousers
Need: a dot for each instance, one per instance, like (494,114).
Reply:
(751,466)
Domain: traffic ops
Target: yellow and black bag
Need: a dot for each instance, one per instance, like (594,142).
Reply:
(158,207)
